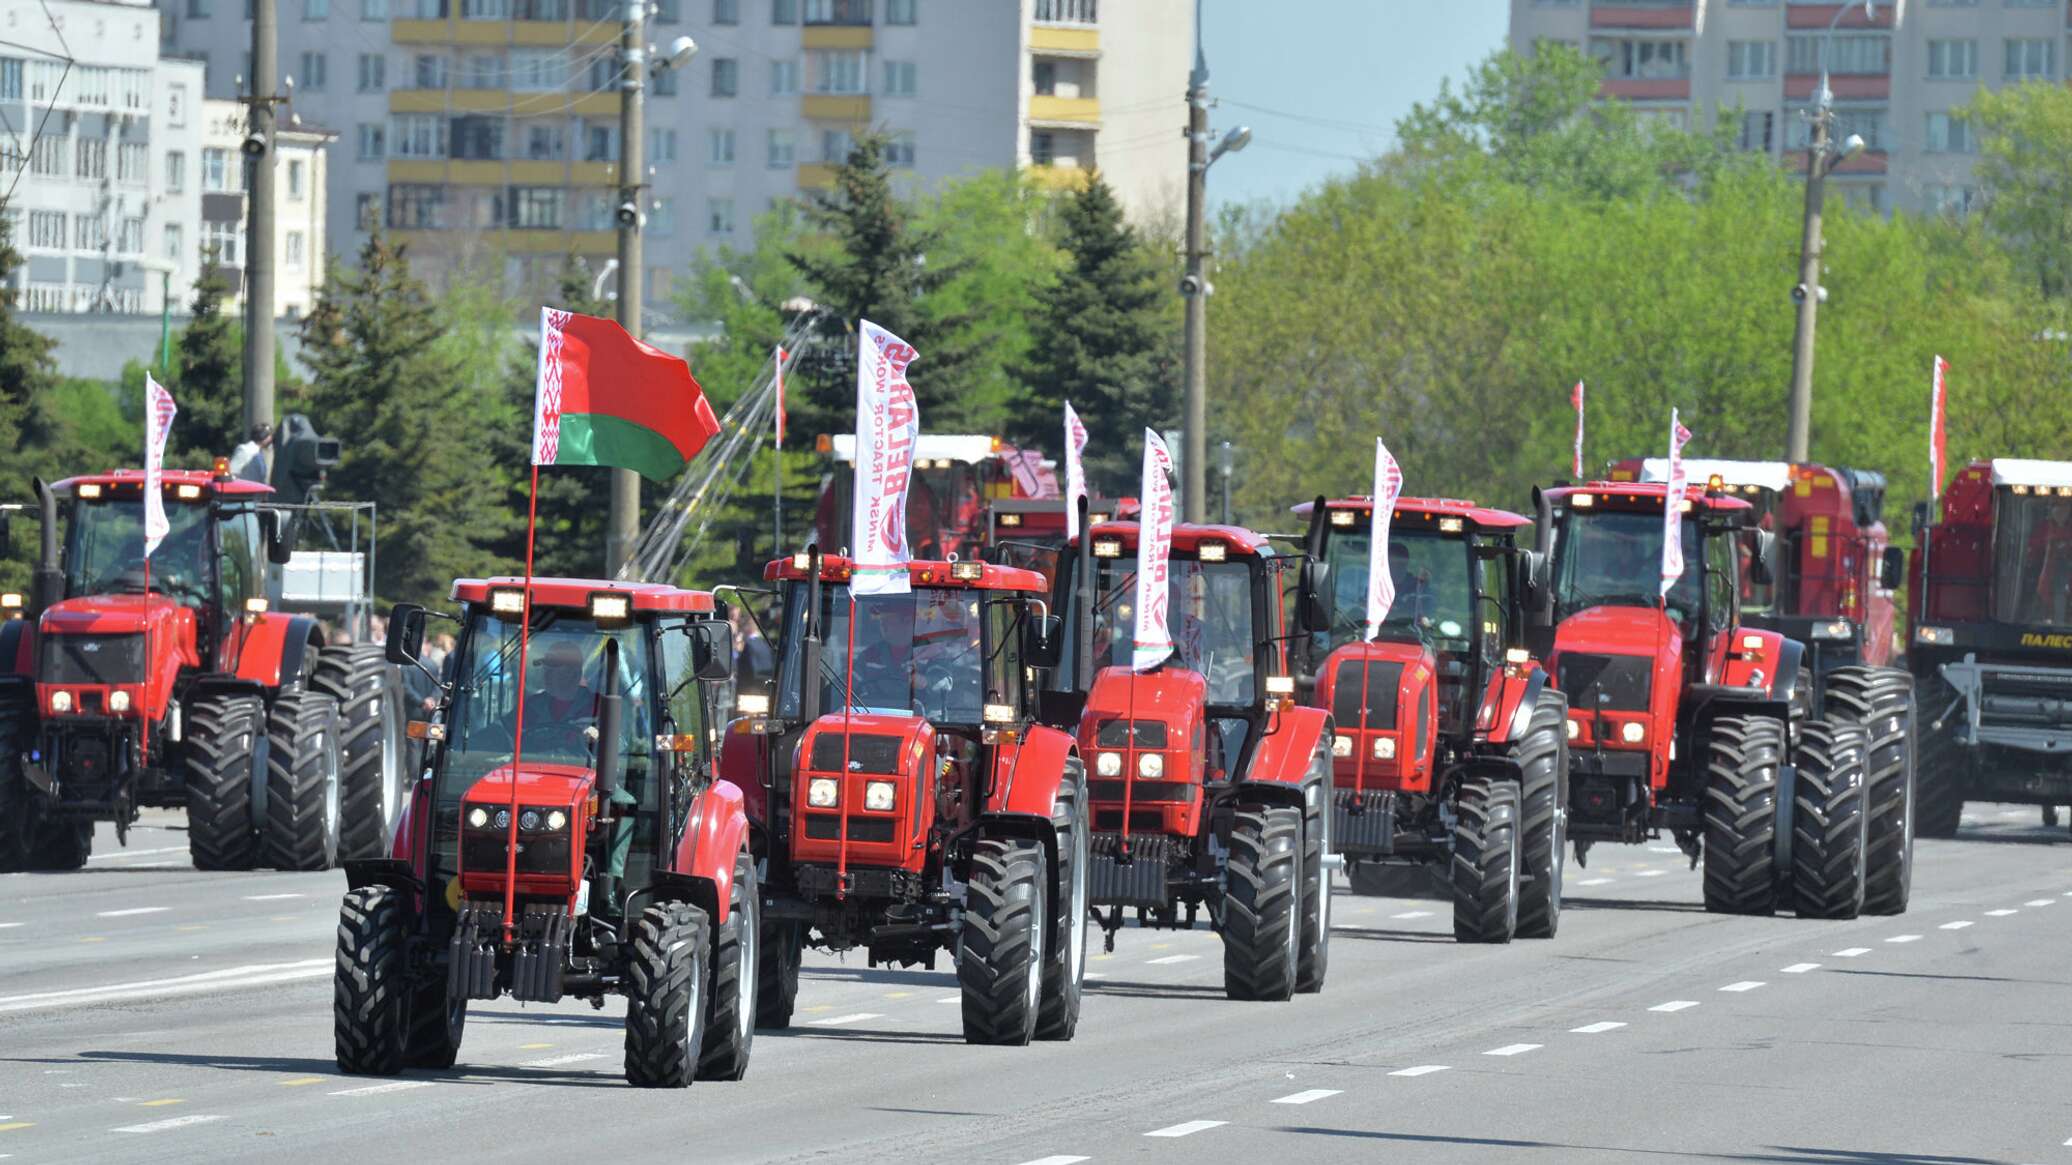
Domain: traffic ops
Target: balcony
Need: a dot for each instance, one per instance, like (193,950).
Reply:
(1644,14)
(816,176)
(1052,41)
(548,33)
(514,172)
(835,37)
(1068,11)
(1846,86)
(1816,16)
(517,241)
(1075,112)
(836,107)
(1646,88)
(1057,177)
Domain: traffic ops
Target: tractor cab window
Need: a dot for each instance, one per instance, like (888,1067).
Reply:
(2032,559)
(1208,610)
(1433,595)
(240,572)
(914,654)
(684,697)
(1723,563)
(104,551)
(1004,652)
(1614,558)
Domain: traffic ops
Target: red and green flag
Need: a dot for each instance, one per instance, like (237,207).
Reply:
(605,398)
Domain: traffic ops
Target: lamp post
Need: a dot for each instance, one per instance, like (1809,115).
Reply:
(1194,285)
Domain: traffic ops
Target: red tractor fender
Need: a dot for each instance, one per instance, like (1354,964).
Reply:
(1283,761)
(265,648)
(707,848)
(1751,658)
(1028,773)
(1507,703)
(743,757)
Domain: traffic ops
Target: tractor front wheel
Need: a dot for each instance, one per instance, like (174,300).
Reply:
(736,959)
(665,995)
(1064,968)
(62,845)
(1882,700)
(17,729)
(1828,820)
(1262,904)
(1542,758)
(1485,862)
(1740,814)
(1314,957)
(437,1023)
(777,974)
(371,776)
(370,994)
(302,782)
(1000,952)
(222,742)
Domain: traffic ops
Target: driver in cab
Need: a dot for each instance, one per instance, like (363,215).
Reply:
(563,705)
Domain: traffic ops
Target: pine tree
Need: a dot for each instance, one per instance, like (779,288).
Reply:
(1100,343)
(29,431)
(207,376)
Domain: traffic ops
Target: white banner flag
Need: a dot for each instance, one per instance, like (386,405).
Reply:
(1672,507)
(888,423)
(1381,585)
(1576,398)
(1154,639)
(159,411)
(1075,471)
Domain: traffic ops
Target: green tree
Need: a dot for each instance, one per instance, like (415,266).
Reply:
(29,430)
(208,375)
(2025,169)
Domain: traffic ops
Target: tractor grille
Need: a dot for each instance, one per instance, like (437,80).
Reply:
(1612,683)
(1118,733)
(93,659)
(1181,792)
(1383,678)
(869,752)
(827,827)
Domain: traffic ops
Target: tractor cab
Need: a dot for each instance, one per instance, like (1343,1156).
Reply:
(955,477)
(1031,532)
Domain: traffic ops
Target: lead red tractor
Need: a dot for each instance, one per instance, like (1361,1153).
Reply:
(906,799)
(1682,720)
(602,858)
(1211,785)
(181,686)
(1449,751)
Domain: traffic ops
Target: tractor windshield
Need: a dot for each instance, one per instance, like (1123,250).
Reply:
(2032,559)
(104,550)
(923,653)
(1614,558)
(1433,590)
(1210,614)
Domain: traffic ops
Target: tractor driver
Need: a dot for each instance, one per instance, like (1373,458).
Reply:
(562,706)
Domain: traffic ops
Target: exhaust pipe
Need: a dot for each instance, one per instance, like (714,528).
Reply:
(48,585)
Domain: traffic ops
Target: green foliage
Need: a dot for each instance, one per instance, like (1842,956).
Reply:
(208,376)
(2025,161)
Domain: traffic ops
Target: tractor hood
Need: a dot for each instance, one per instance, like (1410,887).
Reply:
(1382,696)
(94,655)
(118,615)
(542,784)
(1617,631)
(553,821)
(864,791)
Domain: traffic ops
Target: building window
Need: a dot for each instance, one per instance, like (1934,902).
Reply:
(836,70)
(314,68)
(429,70)
(44,77)
(1045,78)
(215,169)
(899,11)
(1751,59)
(92,85)
(726,76)
(662,146)
(1087,11)
(601,143)
(1952,60)
(899,151)
(89,232)
(291,250)
(47,155)
(604,74)
(373,76)
(374,9)
(1858,56)
(721,143)
(412,207)
(899,78)
(783,149)
(838,12)
(835,145)
(295,180)
(175,172)
(367,210)
(539,70)
(198,9)
(546,141)
(476,138)
(661,217)
(316,9)
(1642,59)
(481,71)
(1757,130)
(176,104)
(784,78)
(418,135)
(726,11)
(47,229)
(537,208)
(2030,60)
(539,9)
(131,241)
(90,158)
(719,216)
(1948,134)
(174,243)
(373,138)
(784,11)
(132,163)
(1043,147)
(485,10)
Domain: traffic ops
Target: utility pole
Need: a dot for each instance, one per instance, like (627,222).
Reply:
(1808,293)
(258,150)
(622,528)
(1194,289)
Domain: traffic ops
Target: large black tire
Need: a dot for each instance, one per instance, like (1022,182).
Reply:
(1000,952)
(1881,699)
(777,974)
(1542,758)
(1064,965)
(61,845)
(1313,955)
(302,782)
(666,981)
(220,744)
(1941,763)
(370,989)
(1828,822)
(737,947)
(436,1024)
(372,779)
(1740,814)
(1486,862)
(1262,904)
(17,733)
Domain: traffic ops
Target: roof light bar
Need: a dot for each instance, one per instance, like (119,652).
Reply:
(507,602)
(1213,552)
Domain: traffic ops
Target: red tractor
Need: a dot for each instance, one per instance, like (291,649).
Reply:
(1031,532)
(180,686)
(1681,719)
(1449,749)
(906,799)
(1991,648)
(955,478)
(1211,785)
(602,858)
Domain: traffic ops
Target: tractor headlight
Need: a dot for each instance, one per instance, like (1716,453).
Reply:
(1574,729)
(478,818)
(1839,629)
(820,792)
(1937,635)
(61,701)
(1633,732)
(1341,746)
(529,821)
(1108,764)
(1384,748)
(118,701)
(503,819)
(878,795)
(557,820)
(1151,765)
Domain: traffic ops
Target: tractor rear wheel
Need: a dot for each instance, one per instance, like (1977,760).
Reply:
(1827,820)
(1542,758)
(736,953)
(1064,965)
(1939,778)
(61,845)
(669,971)
(777,974)
(1262,904)
(1485,862)
(371,777)
(302,782)
(224,738)
(17,730)
(1000,952)
(1882,700)
(370,991)
(436,1024)
(1740,814)
(1313,958)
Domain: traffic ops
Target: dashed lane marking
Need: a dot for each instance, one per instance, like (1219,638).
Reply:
(161,1103)
(1744,985)
(1851,952)
(854,1017)
(1412,914)
(897,994)
(951,999)
(95,938)
(178,1122)
(302,1082)
(10,1126)
(272,897)
(1799,968)
(1960,925)
(2040,902)
(1306,1097)
(1091,975)
(1057,1161)
(1169,960)
(1650,873)
(1419,1070)
(382,1089)
(2001,913)
(1904,938)
(534,1047)
(570,1058)
(1601,1026)
(137,853)
(1675,1005)
(1594,882)
(1514,1049)
(9,925)
(1186,1129)
(134,910)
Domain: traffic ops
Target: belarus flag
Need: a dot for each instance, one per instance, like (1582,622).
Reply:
(605,398)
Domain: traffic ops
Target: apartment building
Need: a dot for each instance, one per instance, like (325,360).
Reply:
(1897,77)
(300,157)
(99,139)
(486,131)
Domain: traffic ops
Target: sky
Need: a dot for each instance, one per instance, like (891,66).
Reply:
(1322,82)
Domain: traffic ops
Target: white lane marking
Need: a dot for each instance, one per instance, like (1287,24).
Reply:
(1306,1097)
(1514,1049)
(1663,849)
(1057,1161)
(1954,925)
(1798,968)
(951,999)
(1413,914)
(380,1089)
(1852,952)
(1904,938)
(857,1017)
(1187,1129)
(2039,902)
(1744,985)
(228,979)
(1419,1070)
(178,1122)
(2000,913)
(2068,894)
(1593,881)
(571,1058)
(1087,975)
(132,911)
(272,897)
(1168,960)
(1650,873)
(9,925)
(1591,1029)
(137,853)
(1674,1005)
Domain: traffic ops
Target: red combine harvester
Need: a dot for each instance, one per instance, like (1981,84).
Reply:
(955,478)
(180,686)
(607,860)
(906,799)
(1681,719)
(1449,750)
(1211,786)
(1991,648)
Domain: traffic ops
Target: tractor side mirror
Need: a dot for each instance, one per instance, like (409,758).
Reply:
(1312,608)
(405,633)
(712,650)
(279,532)
(1043,640)
(1762,565)
(1531,578)
(1892,567)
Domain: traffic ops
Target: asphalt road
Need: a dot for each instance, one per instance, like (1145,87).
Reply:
(152,1013)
